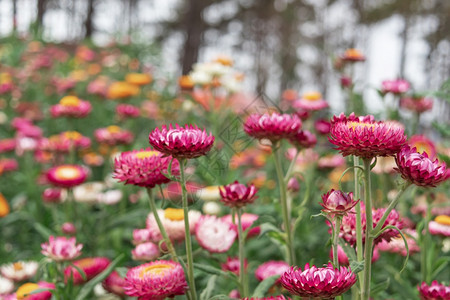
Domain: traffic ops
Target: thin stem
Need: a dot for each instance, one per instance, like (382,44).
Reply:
(190,260)
(337,228)
(291,167)
(160,225)
(242,270)
(369,229)
(284,206)
(425,245)
(359,243)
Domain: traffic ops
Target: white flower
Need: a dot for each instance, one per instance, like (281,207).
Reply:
(209,193)
(20,270)
(200,77)
(214,235)
(110,197)
(6,286)
(88,192)
(173,222)
(212,208)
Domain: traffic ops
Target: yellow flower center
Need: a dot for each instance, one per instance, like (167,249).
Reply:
(443,220)
(70,101)
(354,125)
(84,263)
(72,135)
(24,290)
(67,172)
(174,214)
(154,270)
(354,53)
(146,154)
(423,147)
(18,266)
(113,129)
(312,96)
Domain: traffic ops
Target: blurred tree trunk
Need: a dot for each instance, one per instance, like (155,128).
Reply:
(14,16)
(194,29)
(404,45)
(89,22)
(41,8)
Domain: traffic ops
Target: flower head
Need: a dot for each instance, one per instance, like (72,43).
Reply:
(61,248)
(423,144)
(397,87)
(181,142)
(303,139)
(435,291)
(121,90)
(273,127)
(6,286)
(237,194)
(173,222)
(353,55)
(324,283)
(271,268)
(138,78)
(233,265)
(247,220)
(156,280)
(71,106)
(145,252)
(67,176)
(125,111)
(215,235)
(27,291)
(280,297)
(397,245)
(115,284)
(366,138)
(113,135)
(91,266)
(20,270)
(144,167)
(337,203)
(311,101)
(416,104)
(440,226)
(419,169)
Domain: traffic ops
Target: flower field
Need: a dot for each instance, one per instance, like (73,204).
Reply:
(120,181)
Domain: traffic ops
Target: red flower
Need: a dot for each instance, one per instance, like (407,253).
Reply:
(115,284)
(324,283)
(91,266)
(113,135)
(417,104)
(397,87)
(71,106)
(303,139)
(67,176)
(273,127)
(127,111)
(435,291)
(337,203)
(144,168)
(366,138)
(237,194)
(419,169)
(181,142)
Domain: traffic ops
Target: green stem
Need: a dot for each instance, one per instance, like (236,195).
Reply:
(291,167)
(425,245)
(284,206)
(242,270)
(369,229)
(337,229)
(160,225)
(359,243)
(190,260)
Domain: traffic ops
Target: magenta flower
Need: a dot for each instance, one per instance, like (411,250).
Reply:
(61,248)
(324,283)
(273,127)
(366,138)
(280,297)
(311,101)
(144,167)
(232,265)
(68,228)
(145,252)
(113,135)
(423,144)
(440,226)
(435,291)
(271,268)
(397,87)
(91,266)
(214,235)
(416,104)
(156,280)
(181,142)
(303,139)
(7,145)
(419,169)
(237,194)
(67,176)
(337,203)
(247,220)
(322,126)
(115,284)
(52,195)
(71,106)
(125,111)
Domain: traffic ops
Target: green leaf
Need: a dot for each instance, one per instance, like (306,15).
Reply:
(382,286)
(89,286)
(44,231)
(215,271)
(264,286)
(349,251)
(439,265)
(206,294)
(128,218)
(220,297)
(357,266)
(404,241)
(268,227)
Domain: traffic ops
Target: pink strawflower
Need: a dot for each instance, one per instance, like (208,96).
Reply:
(237,194)
(419,169)
(68,228)
(416,104)
(273,127)
(303,139)
(115,284)
(313,282)
(435,291)
(247,220)
(145,252)
(331,162)
(52,195)
(8,165)
(423,144)
(156,280)
(67,176)
(173,222)
(346,81)
(440,226)
(366,138)
(113,135)
(396,87)
(141,236)
(65,142)
(280,297)
(71,106)
(91,266)
(28,291)
(311,101)
(397,245)
(293,185)
(337,203)
(214,234)
(271,268)
(322,126)
(144,167)
(125,111)
(61,248)
(233,265)
(7,145)
(181,142)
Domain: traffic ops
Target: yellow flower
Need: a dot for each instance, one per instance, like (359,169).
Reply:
(4,206)
(138,78)
(122,89)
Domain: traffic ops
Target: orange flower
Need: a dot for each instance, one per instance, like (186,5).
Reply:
(4,206)
(122,89)
(353,55)
(185,82)
(138,78)
(224,60)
